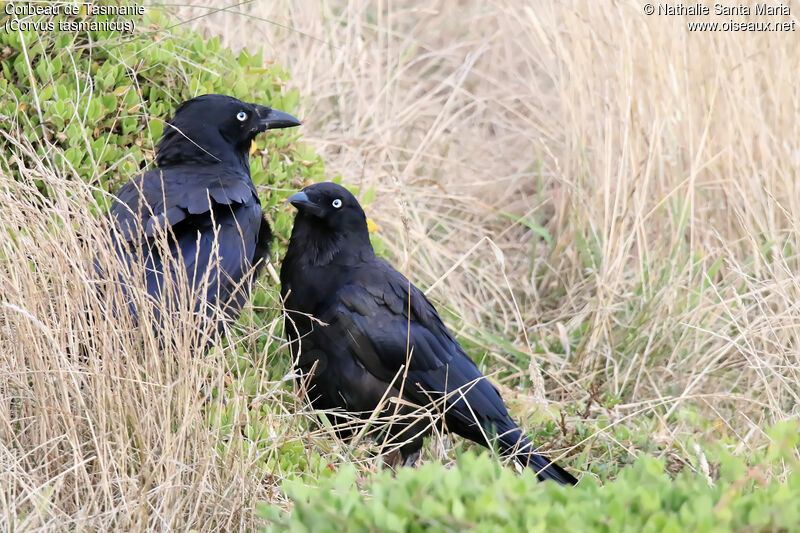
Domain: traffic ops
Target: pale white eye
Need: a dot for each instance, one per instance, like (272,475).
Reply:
(337,203)
(241,116)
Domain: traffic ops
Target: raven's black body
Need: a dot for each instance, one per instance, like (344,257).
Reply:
(201,202)
(382,333)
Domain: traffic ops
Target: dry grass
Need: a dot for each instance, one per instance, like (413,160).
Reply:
(660,164)
(103,424)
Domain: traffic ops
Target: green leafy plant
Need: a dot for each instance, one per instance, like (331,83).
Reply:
(94,103)
(479,494)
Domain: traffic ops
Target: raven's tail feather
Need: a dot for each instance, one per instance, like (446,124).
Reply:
(549,470)
(516,444)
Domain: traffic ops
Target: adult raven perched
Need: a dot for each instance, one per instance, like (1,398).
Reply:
(201,200)
(365,334)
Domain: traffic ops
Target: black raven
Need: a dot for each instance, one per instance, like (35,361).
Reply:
(366,334)
(201,200)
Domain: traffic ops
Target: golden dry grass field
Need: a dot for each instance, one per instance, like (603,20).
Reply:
(604,206)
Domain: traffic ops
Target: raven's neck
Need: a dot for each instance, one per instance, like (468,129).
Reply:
(205,148)
(314,244)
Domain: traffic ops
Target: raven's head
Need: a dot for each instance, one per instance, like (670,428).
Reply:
(216,127)
(331,207)
(329,221)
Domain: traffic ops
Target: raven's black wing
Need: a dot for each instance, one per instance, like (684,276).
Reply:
(212,221)
(391,327)
(171,195)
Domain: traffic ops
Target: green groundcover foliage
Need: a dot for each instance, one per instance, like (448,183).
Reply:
(93,104)
(724,494)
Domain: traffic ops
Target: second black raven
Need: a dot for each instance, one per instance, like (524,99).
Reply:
(374,344)
(201,202)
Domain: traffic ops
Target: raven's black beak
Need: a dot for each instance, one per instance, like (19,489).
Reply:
(300,200)
(304,204)
(272,119)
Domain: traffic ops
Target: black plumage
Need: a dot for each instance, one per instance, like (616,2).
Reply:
(361,328)
(199,206)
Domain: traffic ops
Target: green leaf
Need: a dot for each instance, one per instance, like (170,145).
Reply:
(536,228)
